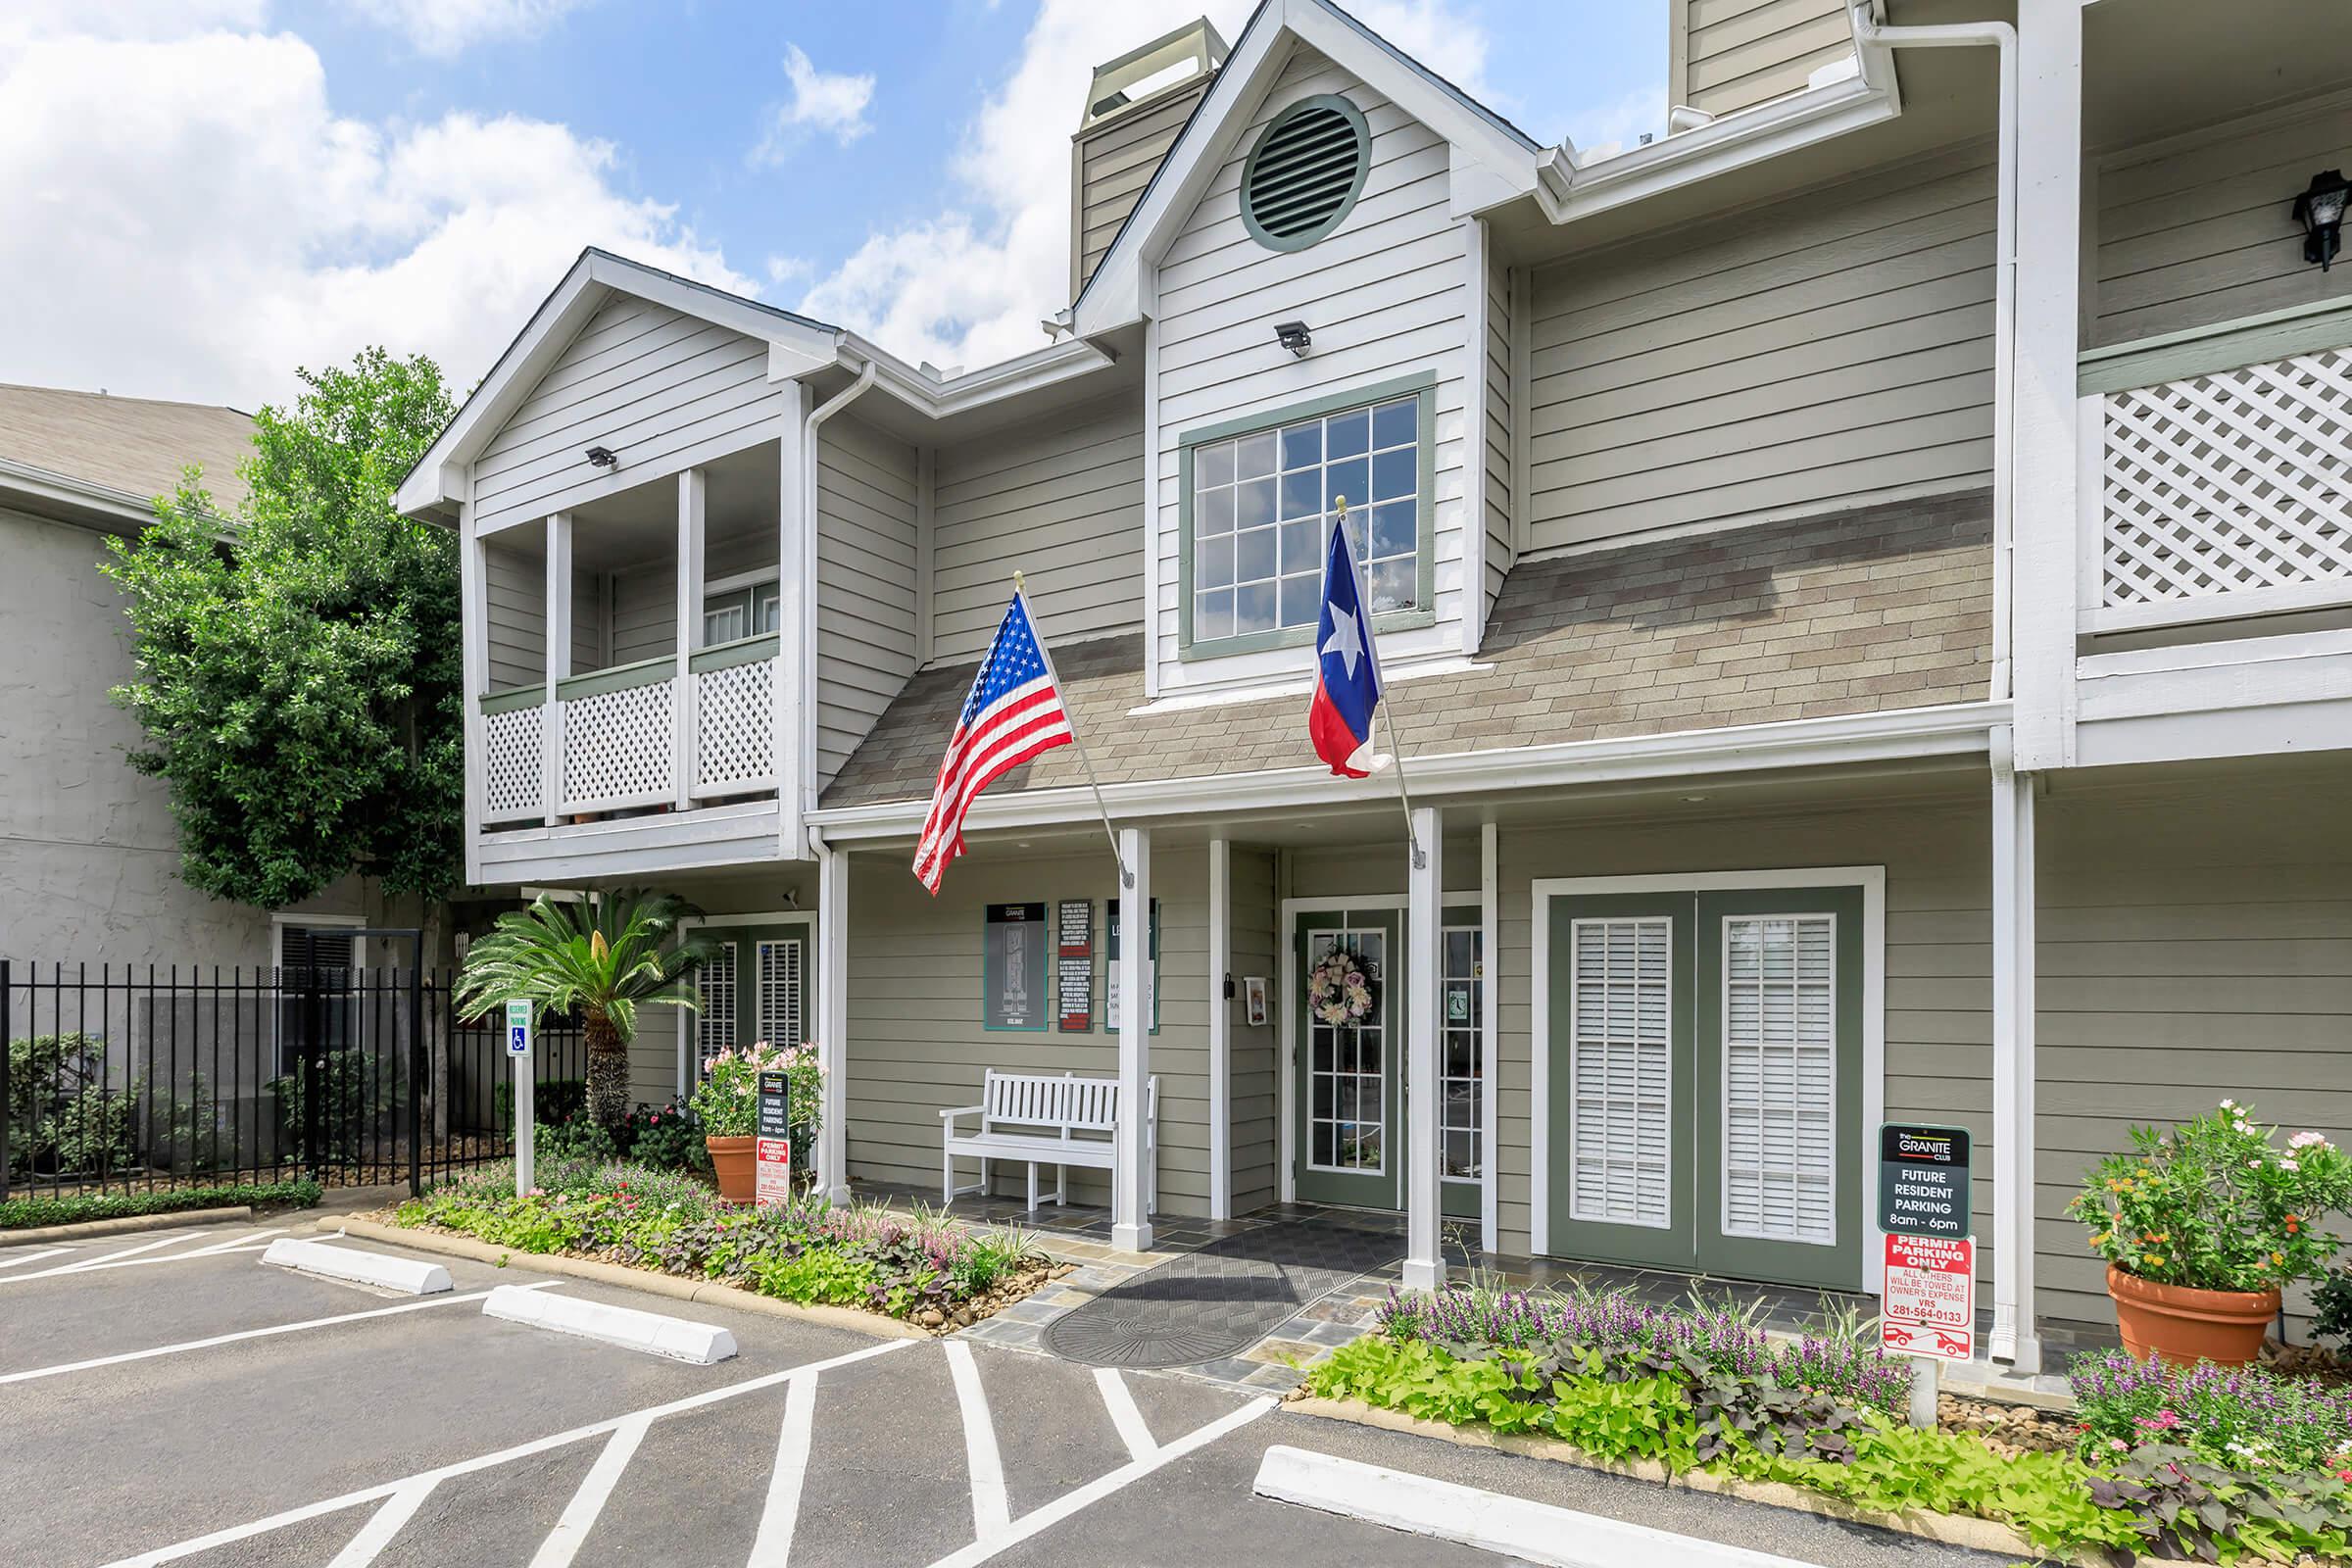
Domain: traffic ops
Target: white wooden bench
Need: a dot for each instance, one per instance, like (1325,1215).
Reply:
(1057,1119)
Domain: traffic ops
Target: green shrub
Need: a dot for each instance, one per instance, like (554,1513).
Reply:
(2240,1417)
(555,1099)
(19,1213)
(579,1139)
(357,1091)
(668,1137)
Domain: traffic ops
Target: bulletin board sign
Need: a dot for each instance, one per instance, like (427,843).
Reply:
(1074,966)
(1013,966)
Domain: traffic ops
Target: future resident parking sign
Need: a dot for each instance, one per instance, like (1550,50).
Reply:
(1922,1180)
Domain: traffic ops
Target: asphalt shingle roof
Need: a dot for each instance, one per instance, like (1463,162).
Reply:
(1859,611)
(137,446)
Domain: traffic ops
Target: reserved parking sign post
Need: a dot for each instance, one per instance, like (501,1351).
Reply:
(1928,1302)
(519,1046)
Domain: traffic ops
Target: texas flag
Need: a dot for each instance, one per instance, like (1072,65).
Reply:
(1347,667)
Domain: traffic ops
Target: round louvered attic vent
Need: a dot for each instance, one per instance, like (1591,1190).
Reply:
(1305,173)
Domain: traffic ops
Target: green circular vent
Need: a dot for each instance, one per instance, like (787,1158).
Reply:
(1305,173)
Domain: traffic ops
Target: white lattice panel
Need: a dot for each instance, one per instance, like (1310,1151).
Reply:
(617,749)
(735,731)
(510,766)
(2231,482)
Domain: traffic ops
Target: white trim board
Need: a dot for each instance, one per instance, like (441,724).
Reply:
(1871,879)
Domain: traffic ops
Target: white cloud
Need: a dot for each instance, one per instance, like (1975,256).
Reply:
(447,28)
(1611,129)
(823,103)
(190,219)
(970,286)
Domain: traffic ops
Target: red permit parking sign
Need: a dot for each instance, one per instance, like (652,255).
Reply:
(772,1172)
(1929,1303)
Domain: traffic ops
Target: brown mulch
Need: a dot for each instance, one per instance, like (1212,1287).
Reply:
(1016,1287)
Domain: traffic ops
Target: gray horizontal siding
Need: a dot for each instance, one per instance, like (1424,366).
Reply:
(2196,234)
(516,591)
(1061,500)
(916,1045)
(660,388)
(1495,449)
(644,613)
(1727,55)
(865,507)
(1115,163)
(1254,1085)
(1824,351)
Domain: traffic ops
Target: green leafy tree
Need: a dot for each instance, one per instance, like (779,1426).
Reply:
(299,681)
(599,960)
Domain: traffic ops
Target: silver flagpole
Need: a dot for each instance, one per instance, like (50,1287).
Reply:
(1372,650)
(1021,593)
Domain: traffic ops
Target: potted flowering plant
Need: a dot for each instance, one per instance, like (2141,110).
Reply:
(727,1103)
(2202,1225)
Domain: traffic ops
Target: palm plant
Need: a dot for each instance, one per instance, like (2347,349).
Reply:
(601,959)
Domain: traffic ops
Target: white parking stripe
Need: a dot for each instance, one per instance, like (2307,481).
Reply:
(1094,1491)
(96,1262)
(255,1334)
(992,1506)
(1124,1413)
(33,1257)
(772,1546)
(386,1523)
(522,1450)
(563,1543)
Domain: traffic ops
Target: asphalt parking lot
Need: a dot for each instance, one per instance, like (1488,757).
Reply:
(168,1398)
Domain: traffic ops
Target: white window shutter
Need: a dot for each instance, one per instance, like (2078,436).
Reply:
(1621,1071)
(715,1014)
(1779,1056)
(781,992)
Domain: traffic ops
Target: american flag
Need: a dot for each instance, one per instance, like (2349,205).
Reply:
(1015,713)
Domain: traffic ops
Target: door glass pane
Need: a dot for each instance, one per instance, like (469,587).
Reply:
(1461,1110)
(1619,1067)
(1780,1061)
(1346,1064)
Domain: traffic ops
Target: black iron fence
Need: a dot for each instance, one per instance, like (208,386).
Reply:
(121,1078)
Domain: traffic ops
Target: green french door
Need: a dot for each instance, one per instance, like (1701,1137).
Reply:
(1349,1096)
(760,986)
(1705,1082)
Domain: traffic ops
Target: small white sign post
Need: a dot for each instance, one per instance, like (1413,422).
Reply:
(519,1046)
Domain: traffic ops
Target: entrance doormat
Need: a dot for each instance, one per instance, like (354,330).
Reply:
(1221,1300)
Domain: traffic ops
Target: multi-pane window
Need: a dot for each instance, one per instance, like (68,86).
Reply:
(1461,1112)
(1260,501)
(744,612)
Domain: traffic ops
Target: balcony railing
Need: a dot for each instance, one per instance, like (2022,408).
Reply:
(621,739)
(2224,462)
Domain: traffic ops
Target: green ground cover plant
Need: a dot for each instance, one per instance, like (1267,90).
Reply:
(808,1251)
(20,1213)
(2216,1464)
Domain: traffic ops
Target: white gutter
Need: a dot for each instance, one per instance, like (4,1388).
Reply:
(805,784)
(1872,34)
(1956,730)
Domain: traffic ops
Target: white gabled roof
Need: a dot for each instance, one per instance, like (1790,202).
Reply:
(796,344)
(1493,161)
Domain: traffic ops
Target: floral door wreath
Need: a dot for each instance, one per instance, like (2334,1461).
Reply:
(1341,988)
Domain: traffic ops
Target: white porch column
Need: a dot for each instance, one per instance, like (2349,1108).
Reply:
(559,665)
(1490,1030)
(794,684)
(1220,1029)
(2014,1339)
(1130,1226)
(690,493)
(1424,1003)
(833,1019)
(2045,506)
(473,589)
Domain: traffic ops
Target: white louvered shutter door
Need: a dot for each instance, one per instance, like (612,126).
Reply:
(780,992)
(714,1015)
(1780,1055)
(1621,1071)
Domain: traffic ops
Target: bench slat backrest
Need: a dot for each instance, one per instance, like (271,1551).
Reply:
(1063,1102)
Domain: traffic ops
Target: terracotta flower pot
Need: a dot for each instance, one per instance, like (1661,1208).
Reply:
(2186,1326)
(732,1159)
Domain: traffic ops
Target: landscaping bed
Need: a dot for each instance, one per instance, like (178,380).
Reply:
(920,1269)
(2217,1464)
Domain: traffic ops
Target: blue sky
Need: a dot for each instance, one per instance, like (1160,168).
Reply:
(243,185)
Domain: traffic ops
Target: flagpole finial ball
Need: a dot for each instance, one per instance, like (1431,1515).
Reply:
(1018,581)
(1341,502)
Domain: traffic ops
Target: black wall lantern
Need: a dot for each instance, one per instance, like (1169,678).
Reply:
(2321,212)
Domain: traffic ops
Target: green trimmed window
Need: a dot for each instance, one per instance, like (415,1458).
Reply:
(1256,503)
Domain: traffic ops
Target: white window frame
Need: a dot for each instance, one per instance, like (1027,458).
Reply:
(1871,879)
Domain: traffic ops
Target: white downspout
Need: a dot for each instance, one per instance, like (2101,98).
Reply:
(1871,33)
(806,782)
